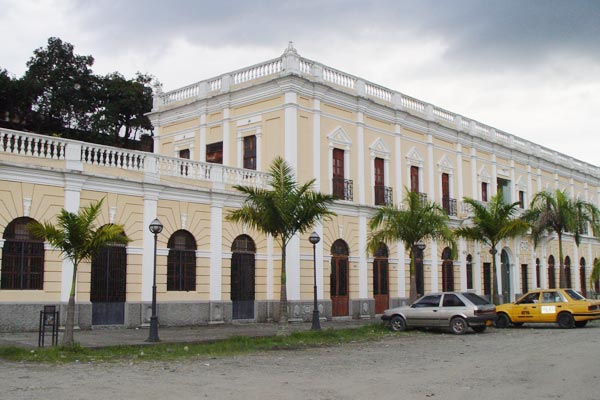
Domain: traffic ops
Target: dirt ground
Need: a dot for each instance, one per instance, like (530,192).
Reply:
(525,363)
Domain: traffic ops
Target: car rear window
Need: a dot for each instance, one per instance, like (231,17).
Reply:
(575,295)
(475,299)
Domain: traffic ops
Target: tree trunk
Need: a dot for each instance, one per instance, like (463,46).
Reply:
(413,278)
(282,326)
(562,277)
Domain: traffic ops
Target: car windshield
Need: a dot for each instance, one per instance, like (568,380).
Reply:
(475,299)
(573,294)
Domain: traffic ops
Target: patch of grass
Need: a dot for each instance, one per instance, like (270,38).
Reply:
(165,352)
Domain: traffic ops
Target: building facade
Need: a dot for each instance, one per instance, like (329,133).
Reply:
(358,140)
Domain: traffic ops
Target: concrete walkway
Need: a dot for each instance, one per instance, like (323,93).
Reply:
(104,337)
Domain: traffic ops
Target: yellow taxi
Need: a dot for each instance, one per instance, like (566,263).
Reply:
(567,307)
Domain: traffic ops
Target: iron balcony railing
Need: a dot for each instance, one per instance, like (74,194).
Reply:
(449,205)
(383,195)
(343,188)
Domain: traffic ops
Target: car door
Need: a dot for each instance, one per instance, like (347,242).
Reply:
(451,306)
(527,309)
(424,312)
(552,304)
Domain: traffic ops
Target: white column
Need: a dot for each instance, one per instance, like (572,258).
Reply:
(515,274)
(529,188)
(73,185)
(270,269)
(226,149)
(543,284)
(150,212)
(398,165)
(459,173)
(575,281)
(477,267)
(360,148)
(430,169)
(291,156)
(462,255)
(494,183)
(401,270)
(362,256)
(316,145)
(202,150)
(434,265)
(320,261)
(216,249)
(474,180)
(534,282)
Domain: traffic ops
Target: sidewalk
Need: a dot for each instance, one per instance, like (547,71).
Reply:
(104,337)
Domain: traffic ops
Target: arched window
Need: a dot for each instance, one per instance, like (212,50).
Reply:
(551,273)
(181,262)
(568,282)
(447,270)
(582,277)
(381,279)
(469,271)
(22,257)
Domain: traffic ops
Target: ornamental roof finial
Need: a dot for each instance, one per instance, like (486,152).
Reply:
(290,48)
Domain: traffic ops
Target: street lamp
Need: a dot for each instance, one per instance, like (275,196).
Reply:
(155,227)
(316,325)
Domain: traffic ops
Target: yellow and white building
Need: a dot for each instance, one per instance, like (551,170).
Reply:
(359,140)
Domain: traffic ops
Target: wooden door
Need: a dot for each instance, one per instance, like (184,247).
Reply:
(243,278)
(339,279)
(381,280)
(338,173)
(446,192)
(379,182)
(414,179)
(447,271)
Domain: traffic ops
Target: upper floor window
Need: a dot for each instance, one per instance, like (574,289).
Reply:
(383,194)
(184,154)
(250,152)
(414,179)
(22,257)
(214,153)
(521,199)
(504,190)
(342,187)
(484,191)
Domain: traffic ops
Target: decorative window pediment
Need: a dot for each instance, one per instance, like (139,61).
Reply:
(414,158)
(484,175)
(339,138)
(379,149)
(445,165)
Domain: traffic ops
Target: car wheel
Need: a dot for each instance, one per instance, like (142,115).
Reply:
(502,321)
(479,328)
(397,324)
(565,320)
(580,324)
(458,325)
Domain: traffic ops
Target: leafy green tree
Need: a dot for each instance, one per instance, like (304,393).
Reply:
(78,240)
(556,212)
(491,223)
(122,106)
(63,86)
(15,100)
(415,222)
(595,276)
(282,212)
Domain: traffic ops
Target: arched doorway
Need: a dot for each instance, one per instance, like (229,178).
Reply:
(469,271)
(242,277)
(339,278)
(582,277)
(551,273)
(181,262)
(505,275)
(381,279)
(447,270)
(22,257)
(109,284)
(568,283)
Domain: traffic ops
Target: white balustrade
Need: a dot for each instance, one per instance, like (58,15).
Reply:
(338,78)
(443,114)
(32,145)
(183,93)
(112,157)
(214,84)
(305,66)
(411,103)
(378,91)
(258,71)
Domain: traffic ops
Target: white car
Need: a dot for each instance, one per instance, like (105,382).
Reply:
(452,310)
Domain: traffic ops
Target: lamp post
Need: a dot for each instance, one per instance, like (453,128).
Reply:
(316,325)
(155,227)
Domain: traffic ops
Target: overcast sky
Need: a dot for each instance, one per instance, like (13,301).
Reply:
(527,67)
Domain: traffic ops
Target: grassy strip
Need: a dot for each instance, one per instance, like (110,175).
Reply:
(173,351)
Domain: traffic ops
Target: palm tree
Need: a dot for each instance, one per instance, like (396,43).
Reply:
(418,220)
(493,222)
(595,275)
(285,210)
(78,240)
(557,212)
